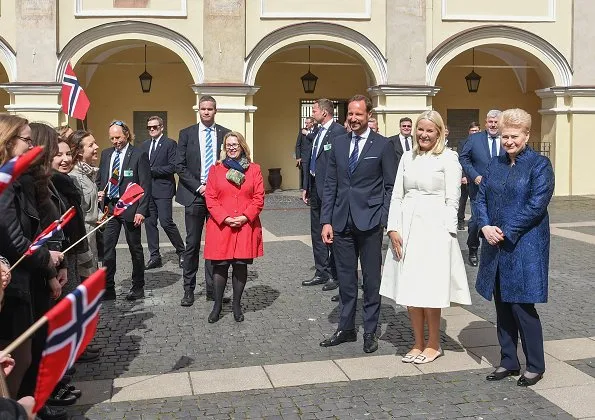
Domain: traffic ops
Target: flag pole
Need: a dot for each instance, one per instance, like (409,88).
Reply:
(17,263)
(24,336)
(4,392)
(94,229)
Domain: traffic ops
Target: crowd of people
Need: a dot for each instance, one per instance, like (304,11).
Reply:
(357,183)
(217,178)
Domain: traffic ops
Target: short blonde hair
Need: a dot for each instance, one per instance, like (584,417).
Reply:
(436,118)
(515,118)
(241,141)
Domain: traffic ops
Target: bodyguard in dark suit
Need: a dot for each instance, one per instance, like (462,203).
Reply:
(359,181)
(162,160)
(303,146)
(315,166)
(473,128)
(474,158)
(402,142)
(121,165)
(198,149)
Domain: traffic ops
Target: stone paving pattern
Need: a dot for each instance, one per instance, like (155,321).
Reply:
(457,395)
(285,322)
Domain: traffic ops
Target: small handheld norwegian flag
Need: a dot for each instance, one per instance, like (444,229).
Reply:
(16,166)
(71,326)
(133,193)
(49,231)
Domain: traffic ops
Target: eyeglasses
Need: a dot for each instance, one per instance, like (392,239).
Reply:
(153,127)
(232,146)
(118,123)
(26,139)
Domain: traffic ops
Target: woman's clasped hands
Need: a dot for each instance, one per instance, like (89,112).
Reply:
(493,234)
(237,221)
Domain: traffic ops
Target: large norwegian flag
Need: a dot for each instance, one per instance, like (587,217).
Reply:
(133,193)
(16,166)
(49,231)
(74,99)
(71,326)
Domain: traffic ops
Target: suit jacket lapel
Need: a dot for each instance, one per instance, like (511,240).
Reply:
(486,147)
(154,152)
(125,162)
(322,143)
(220,136)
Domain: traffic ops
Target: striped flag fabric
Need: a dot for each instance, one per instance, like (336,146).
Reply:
(16,166)
(71,326)
(49,231)
(74,99)
(133,193)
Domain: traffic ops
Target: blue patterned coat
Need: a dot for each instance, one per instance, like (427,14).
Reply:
(515,198)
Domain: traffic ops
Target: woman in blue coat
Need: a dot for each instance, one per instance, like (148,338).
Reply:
(512,214)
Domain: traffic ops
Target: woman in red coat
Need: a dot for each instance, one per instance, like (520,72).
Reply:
(235,197)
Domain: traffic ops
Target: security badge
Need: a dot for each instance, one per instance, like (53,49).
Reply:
(327,147)
(128,172)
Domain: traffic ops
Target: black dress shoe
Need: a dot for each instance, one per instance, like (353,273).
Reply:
(88,356)
(181,260)
(314,281)
(76,392)
(496,376)
(61,396)
(239,316)
(331,284)
(135,293)
(47,412)
(335,298)
(524,381)
(188,299)
(370,343)
(211,298)
(473,260)
(109,294)
(339,337)
(461,226)
(153,263)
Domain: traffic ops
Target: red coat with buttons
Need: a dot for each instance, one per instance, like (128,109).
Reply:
(226,199)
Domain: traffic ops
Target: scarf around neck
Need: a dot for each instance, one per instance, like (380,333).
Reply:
(236,169)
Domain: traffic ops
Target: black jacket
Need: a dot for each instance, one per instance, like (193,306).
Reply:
(19,225)
(70,196)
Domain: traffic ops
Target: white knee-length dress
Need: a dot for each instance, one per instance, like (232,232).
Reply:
(423,210)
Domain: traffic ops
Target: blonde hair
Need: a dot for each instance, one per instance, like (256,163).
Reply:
(515,118)
(10,127)
(241,141)
(436,118)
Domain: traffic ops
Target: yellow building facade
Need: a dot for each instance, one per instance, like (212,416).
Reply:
(407,55)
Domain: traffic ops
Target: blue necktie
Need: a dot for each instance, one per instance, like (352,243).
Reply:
(208,152)
(494,146)
(315,151)
(354,155)
(115,177)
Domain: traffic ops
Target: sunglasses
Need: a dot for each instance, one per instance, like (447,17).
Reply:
(153,127)
(118,123)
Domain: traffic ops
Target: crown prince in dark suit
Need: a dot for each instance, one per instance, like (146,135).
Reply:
(162,160)
(198,149)
(359,181)
(120,165)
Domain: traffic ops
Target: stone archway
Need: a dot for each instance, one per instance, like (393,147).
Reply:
(144,31)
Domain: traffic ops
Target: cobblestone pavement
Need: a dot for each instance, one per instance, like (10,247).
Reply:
(285,322)
(436,396)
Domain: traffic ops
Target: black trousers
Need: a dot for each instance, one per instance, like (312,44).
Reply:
(133,238)
(195,216)
(515,318)
(348,246)
(161,209)
(473,229)
(324,260)
(462,203)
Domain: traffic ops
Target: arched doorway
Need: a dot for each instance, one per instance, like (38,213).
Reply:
(109,73)
(509,79)
(282,104)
